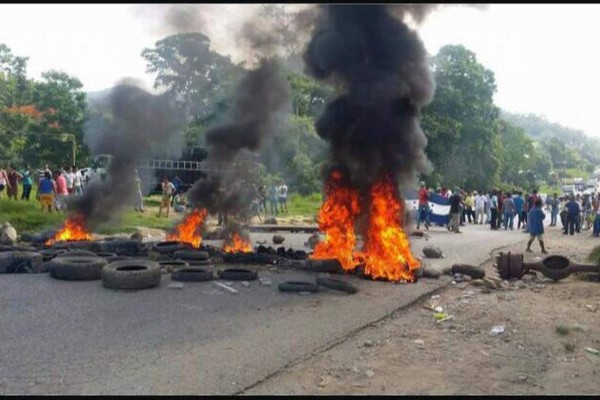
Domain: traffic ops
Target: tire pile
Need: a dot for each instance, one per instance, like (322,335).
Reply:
(124,264)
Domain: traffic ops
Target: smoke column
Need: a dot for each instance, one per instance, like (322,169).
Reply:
(132,124)
(261,97)
(373,126)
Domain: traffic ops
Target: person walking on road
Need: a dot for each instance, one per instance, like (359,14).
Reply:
(509,212)
(494,210)
(27,183)
(479,208)
(554,203)
(536,225)
(424,211)
(572,214)
(455,203)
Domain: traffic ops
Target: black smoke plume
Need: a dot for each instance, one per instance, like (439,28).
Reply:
(381,64)
(130,124)
(260,97)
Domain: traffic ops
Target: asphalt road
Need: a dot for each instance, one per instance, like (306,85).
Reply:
(59,337)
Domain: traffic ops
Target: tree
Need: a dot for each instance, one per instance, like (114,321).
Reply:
(460,123)
(196,76)
(61,100)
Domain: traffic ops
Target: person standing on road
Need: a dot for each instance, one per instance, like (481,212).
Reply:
(3,181)
(13,180)
(77,182)
(572,214)
(424,211)
(479,208)
(554,203)
(70,178)
(536,225)
(27,183)
(468,210)
(167,193)
(139,197)
(596,205)
(518,201)
(262,197)
(61,191)
(509,212)
(494,210)
(273,200)
(283,192)
(46,192)
(455,203)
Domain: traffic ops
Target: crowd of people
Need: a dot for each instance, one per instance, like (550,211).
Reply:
(500,209)
(52,188)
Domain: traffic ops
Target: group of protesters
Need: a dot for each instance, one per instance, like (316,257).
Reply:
(52,189)
(499,209)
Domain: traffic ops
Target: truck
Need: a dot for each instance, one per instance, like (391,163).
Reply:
(192,166)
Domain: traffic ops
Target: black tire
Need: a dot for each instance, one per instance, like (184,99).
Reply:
(121,247)
(197,263)
(116,258)
(49,254)
(328,265)
(192,274)
(76,268)
(238,274)
(297,286)
(168,247)
(17,262)
(174,263)
(76,253)
(336,284)
(106,254)
(191,255)
(131,274)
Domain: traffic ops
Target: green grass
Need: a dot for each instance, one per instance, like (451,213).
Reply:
(578,173)
(28,217)
(307,206)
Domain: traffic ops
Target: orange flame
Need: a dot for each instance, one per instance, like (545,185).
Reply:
(72,230)
(336,220)
(237,245)
(188,231)
(387,252)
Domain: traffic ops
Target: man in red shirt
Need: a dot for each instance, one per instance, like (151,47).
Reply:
(424,210)
(61,191)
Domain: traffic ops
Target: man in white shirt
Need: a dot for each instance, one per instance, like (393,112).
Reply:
(283,189)
(494,210)
(479,209)
(77,182)
(70,177)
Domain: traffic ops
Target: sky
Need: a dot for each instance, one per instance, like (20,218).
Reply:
(543,55)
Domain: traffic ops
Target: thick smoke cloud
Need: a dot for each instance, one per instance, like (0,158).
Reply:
(261,96)
(130,124)
(373,126)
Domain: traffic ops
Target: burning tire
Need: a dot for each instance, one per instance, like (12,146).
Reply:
(328,265)
(298,286)
(131,274)
(336,284)
(192,274)
(76,253)
(238,274)
(15,262)
(76,268)
(191,255)
(168,247)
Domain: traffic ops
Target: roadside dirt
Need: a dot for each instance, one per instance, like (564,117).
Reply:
(547,326)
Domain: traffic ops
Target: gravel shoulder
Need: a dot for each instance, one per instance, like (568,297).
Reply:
(547,328)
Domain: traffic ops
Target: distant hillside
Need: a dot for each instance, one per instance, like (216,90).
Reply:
(542,130)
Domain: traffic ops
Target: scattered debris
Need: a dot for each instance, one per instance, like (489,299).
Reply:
(432,252)
(368,343)
(497,330)
(591,308)
(175,285)
(592,350)
(569,347)
(438,309)
(419,341)
(245,283)
(230,289)
(265,281)
(325,380)
(369,373)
